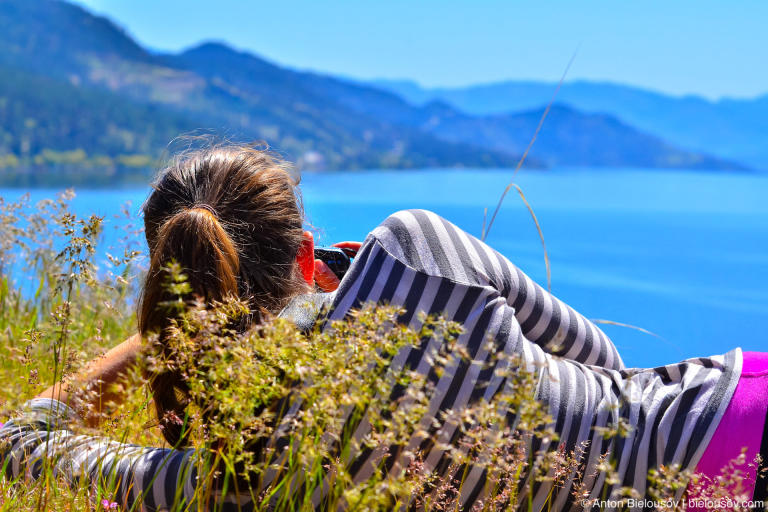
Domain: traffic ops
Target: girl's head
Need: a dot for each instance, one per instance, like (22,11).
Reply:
(230,217)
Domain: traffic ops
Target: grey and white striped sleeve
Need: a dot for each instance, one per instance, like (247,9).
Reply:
(419,261)
(433,245)
(142,478)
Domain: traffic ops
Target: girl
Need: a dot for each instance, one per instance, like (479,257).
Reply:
(230,217)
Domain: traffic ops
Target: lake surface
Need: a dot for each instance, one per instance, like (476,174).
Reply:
(682,254)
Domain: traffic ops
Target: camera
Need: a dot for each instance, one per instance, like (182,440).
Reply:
(338,260)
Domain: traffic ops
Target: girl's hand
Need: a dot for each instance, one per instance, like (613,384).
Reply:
(324,277)
(352,247)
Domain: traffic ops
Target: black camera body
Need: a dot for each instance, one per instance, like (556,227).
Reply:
(338,260)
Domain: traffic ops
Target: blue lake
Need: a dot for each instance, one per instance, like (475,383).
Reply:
(682,254)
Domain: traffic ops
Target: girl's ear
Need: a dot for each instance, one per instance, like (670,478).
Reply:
(305,258)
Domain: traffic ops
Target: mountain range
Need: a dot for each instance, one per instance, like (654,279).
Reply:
(81,100)
(731,128)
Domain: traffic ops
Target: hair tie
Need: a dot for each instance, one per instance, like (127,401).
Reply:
(207,209)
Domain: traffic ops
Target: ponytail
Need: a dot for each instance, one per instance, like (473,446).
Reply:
(231,219)
(195,239)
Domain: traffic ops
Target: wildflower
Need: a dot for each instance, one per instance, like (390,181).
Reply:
(109,505)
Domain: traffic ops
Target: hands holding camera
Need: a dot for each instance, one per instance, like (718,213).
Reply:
(325,278)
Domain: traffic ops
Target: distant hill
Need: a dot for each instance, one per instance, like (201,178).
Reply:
(312,131)
(572,138)
(730,128)
(77,93)
(47,123)
(569,137)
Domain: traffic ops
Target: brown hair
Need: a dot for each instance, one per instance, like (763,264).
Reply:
(231,218)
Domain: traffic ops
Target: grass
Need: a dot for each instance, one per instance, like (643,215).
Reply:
(58,309)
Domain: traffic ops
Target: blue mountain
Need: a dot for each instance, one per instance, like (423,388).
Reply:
(730,128)
(77,93)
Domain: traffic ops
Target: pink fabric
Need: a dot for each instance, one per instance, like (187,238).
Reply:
(743,421)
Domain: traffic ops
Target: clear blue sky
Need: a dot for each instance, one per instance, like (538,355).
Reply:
(710,47)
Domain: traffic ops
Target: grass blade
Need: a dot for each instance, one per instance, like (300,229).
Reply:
(541,235)
(530,145)
(629,326)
